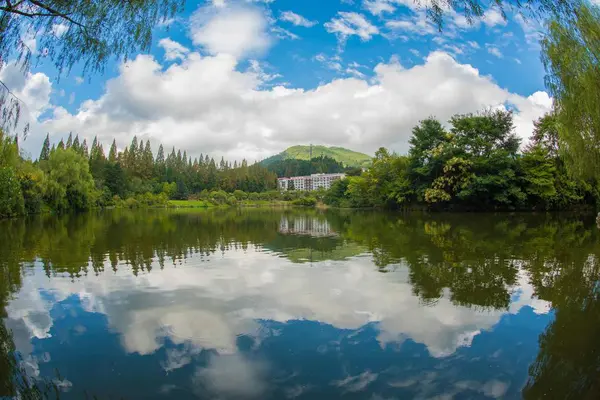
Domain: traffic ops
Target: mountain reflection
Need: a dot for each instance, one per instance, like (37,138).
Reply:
(271,304)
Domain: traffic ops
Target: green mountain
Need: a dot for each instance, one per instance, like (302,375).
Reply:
(348,157)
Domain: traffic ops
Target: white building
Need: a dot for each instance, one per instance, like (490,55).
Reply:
(308,183)
(305,226)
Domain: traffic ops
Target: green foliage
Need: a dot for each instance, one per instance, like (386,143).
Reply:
(476,166)
(539,173)
(347,157)
(305,202)
(294,167)
(570,50)
(11,197)
(70,183)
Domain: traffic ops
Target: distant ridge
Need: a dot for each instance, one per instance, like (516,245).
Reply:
(347,157)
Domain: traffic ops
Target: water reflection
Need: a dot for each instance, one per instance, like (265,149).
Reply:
(275,304)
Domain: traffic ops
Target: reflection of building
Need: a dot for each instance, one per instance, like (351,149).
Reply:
(312,182)
(305,226)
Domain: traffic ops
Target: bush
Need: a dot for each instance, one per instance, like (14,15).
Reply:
(305,202)
(11,197)
(240,195)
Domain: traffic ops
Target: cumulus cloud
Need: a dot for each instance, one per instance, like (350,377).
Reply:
(33,90)
(205,104)
(296,19)
(347,24)
(173,50)
(236,30)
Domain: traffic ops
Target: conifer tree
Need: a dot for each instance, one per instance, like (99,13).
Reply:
(45,153)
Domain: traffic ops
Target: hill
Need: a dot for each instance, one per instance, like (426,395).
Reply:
(347,157)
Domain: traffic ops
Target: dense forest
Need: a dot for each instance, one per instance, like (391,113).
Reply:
(71,176)
(476,164)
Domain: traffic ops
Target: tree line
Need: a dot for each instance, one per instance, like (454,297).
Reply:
(72,176)
(476,164)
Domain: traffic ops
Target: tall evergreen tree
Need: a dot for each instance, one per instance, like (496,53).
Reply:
(76,145)
(45,153)
(84,149)
(112,154)
(160,156)
(69,141)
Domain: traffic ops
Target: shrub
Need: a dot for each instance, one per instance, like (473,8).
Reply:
(11,197)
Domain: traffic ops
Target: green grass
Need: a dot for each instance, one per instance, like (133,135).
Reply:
(349,158)
(190,204)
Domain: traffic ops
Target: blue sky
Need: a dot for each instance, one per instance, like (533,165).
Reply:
(247,78)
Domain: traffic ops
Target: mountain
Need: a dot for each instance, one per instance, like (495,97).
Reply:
(348,157)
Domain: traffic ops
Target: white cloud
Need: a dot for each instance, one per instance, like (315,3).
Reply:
(473,44)
(355,72)
(333,63)
(78,80)
(206,105)
(33,89)
(517,61)
(296,19)
(531,29)
(59,29)
(418,24)
(235,30)
(347,24)
(493,50)
(378,7)
(173,50)
(493,17)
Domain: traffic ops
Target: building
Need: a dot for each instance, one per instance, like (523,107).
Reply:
(314,227)
(308,183)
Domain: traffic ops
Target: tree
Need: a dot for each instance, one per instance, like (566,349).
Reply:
(539,174)
(45,153)
(571,57)
(70,184)
(545,134)
(112,154)
(11,197)
(91,34)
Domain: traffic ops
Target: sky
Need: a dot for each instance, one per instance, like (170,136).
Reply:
(249,78)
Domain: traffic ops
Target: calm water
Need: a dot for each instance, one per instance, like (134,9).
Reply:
(267,304)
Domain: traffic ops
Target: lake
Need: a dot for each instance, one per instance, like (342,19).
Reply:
(299,304)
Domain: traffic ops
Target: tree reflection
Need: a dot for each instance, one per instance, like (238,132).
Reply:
(477,260)
(568,362)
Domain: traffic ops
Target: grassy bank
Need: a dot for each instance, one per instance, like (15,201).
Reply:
(243,203)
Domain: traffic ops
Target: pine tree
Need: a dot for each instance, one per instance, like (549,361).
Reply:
(112,154)
(160,156)
(60,145)
(131,159)
(69,141)
(76,145)
(147,161)
(84,149)
(45,153)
